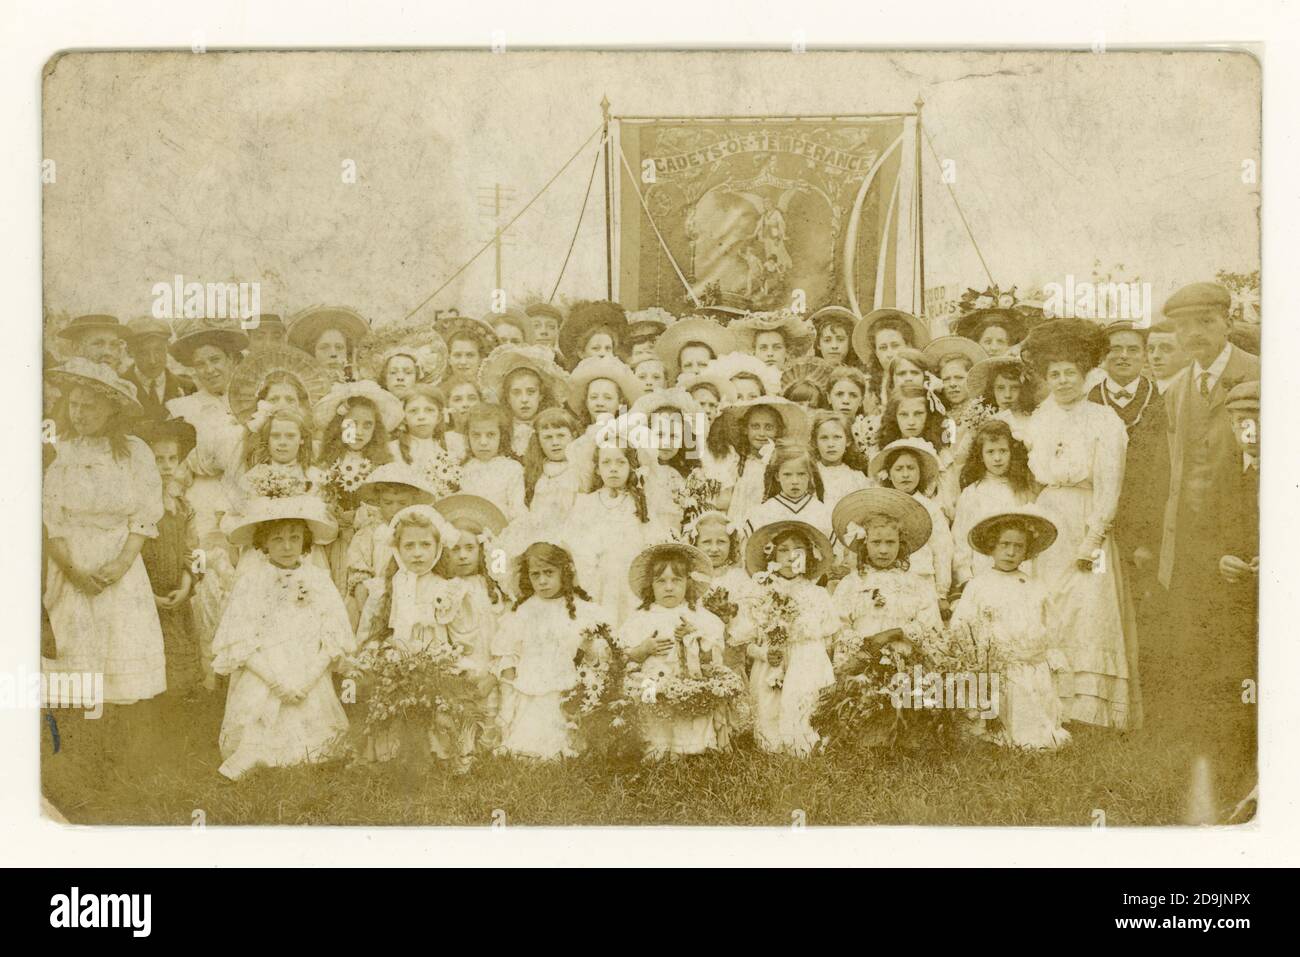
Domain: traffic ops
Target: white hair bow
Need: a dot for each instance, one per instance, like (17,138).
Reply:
(853,532)
(260,415)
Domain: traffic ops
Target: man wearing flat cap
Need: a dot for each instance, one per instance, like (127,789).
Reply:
(155,384)
(1204,467)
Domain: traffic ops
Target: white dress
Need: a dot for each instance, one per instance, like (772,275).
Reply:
(553,495)
(540,641)
(873,600)
(841,480)
(685,735)
(606,538)
(1013,605)
(1077,454)
(991,495)
(783,713)
(933,560)
(93,502)
(500,480)
(294,622)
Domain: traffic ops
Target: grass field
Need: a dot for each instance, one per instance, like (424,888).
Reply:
(1143,777)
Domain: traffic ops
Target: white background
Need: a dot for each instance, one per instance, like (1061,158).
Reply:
(32,31)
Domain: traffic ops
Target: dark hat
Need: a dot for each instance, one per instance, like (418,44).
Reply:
(1040,529)
(545,309)
(175,430)
(83,324)
(973,324)
(1197,297)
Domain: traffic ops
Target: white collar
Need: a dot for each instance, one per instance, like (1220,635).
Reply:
(1216,367)
(1130,390)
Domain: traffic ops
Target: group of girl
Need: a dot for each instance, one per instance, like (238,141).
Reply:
(526,493)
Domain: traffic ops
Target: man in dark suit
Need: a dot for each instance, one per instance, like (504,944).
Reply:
(155,384)
(1203,460)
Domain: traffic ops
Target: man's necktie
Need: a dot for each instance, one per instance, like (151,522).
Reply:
(1205,385)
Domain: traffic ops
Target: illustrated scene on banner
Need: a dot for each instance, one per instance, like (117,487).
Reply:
(650,438)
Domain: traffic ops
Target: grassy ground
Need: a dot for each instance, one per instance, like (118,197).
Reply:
(1143,777)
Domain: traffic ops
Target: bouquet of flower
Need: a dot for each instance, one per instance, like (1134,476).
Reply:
(975,414)
(718,601)
(424,685)
(270,480)
(696,496)
(596,706)
(669,695)
(443,475)
(866,433)
(343,479)
(777,612)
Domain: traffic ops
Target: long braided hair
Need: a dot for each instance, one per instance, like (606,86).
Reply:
(635,487)
(550,554)
(443,567)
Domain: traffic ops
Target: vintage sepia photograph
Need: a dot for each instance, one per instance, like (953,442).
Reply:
(617,437)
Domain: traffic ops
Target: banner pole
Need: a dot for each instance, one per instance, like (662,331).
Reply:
(609,235)
(920,207)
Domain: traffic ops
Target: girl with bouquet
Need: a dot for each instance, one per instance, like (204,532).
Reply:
(1011,606)
(553,623)
(677,647)
(787,623)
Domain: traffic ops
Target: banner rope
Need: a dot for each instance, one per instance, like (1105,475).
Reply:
(581,213)
(503,229)
(961,214)
(667,252)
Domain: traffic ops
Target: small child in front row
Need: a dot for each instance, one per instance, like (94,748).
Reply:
(283,632)
(490,471)
(881,600)
(1013,605)
(169,558)
(477,606)
(790,661)
(669,635)
(535,648)
(389,489)
(910,466)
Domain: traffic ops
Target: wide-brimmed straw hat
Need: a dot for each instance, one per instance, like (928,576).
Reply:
(454,326)
(250,376)
(396,473)
(602,367)
(793,415)
(711,375)
(1041,530)
(797,330)
(811,369)
(305,327)
(415,338)
(937,349)
(648,323)
(505,359)
(924,451)
(389,406)
(709,332)
(97,377)
(92,323)
(913,520)
(757,554)
(734,364)
(985,371)
(191,334)
(638,574)
(864,331)
(239,527)
(472,511)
